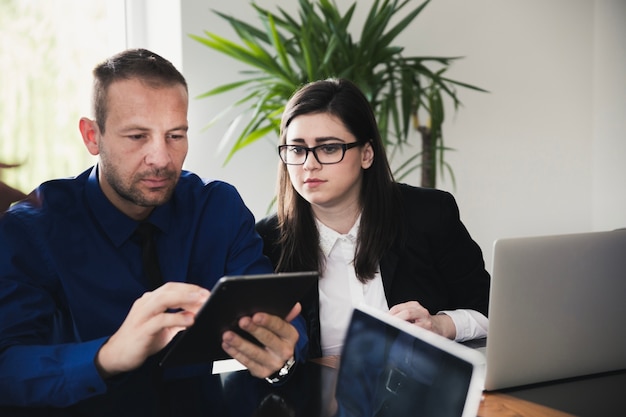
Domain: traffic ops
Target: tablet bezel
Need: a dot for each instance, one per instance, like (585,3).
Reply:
(231,298)
(386,321)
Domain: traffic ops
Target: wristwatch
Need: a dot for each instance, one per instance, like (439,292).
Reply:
(282,372)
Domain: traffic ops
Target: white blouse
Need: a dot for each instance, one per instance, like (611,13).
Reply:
(340,291)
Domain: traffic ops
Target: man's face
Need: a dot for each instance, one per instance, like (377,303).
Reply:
(144,145)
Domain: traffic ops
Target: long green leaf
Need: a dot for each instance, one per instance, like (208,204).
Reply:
(224,88)
(288,49)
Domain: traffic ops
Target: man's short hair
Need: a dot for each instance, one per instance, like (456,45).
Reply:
(141,64)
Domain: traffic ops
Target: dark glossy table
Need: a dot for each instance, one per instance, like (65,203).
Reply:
(310,393)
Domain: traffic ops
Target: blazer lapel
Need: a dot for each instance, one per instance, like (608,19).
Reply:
(388,265)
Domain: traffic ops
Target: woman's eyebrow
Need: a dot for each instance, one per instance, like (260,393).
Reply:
(318,140)
(324,139)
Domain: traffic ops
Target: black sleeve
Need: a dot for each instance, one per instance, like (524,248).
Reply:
(267,228)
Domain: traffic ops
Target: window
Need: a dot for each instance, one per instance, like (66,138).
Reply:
(47,52)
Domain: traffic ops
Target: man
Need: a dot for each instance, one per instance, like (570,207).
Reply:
(82,328)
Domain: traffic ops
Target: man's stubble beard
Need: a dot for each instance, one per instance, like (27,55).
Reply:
(132,193)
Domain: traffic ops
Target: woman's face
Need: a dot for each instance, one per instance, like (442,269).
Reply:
(327,186)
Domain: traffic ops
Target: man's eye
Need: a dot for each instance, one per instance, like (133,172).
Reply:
(136,137)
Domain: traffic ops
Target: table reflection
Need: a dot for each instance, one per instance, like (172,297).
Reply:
(309,392)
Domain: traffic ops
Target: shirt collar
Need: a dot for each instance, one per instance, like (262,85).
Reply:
(115,224)
(328,237)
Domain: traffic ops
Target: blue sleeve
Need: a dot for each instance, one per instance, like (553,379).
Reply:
(302,347)
(224,239)
(55,375)
(247,251)
(36,367)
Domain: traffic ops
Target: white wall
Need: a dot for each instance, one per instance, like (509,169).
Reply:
(609,116)
(158,29)
(540,154)
(252,171)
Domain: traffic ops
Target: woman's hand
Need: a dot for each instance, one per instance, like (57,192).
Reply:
(413,312)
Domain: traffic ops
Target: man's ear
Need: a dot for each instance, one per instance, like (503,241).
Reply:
(367,156)
(89,131)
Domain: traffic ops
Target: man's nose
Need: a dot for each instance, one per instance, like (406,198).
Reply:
(157,152)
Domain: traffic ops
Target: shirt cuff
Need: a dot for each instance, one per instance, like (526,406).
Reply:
(82,376)
(469,324)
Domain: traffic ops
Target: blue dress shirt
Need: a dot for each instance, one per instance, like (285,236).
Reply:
(70,269)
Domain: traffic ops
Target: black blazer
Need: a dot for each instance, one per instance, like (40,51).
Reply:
(434,262)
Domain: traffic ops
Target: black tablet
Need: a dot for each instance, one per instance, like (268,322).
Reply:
(232,298)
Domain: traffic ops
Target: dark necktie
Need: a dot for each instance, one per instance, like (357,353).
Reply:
(149,257)
(150,261)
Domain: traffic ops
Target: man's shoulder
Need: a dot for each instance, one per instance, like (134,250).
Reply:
(194,193)
(53,196)
(192,184)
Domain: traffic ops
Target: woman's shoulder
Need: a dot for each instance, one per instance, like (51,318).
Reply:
(411,195)
(268,222)
(267,227)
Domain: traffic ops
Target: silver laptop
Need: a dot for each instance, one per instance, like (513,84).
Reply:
(392,368)
(557,308)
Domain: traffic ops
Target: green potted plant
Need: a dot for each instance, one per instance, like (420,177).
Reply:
(286,51)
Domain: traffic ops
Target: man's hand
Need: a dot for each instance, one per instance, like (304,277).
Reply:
(278,336)
(415,313)
(148,327)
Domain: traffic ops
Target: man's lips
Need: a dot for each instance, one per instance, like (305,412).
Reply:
(156,182)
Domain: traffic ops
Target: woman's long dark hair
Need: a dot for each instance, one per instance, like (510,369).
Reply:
(379,195)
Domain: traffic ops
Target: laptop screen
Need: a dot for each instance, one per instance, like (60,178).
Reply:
(393,368)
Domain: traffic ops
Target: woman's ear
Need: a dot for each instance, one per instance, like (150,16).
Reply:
(367,155)
(89,131)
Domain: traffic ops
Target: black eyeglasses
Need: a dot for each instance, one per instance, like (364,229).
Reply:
(326,154)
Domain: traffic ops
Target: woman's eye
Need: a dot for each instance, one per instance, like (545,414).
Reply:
(329,149)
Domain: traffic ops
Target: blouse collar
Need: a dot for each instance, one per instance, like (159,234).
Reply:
(328,236)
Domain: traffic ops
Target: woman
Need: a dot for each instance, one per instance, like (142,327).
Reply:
(395,247)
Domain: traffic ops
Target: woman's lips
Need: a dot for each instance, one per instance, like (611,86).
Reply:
(313,182)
